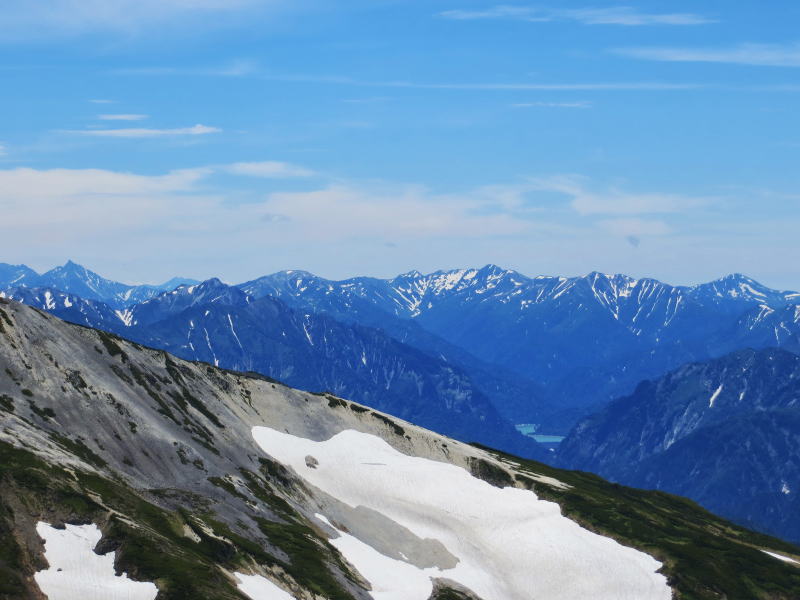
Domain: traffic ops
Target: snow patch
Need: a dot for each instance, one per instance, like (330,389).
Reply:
(714,396)
(391,579)
(77,573)
(510,544)
(259,587)
(781,557)
(126,316)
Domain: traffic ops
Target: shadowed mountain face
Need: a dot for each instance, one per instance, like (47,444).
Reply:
(725,433)
(163,457)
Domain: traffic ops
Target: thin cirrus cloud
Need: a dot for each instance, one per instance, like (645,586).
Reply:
(122,117)
(616,15)
(766,55)
(31,20)
(614,201)
(269,169)
(611,86)
(581,104)
(141,132)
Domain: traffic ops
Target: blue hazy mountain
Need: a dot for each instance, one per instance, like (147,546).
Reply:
(584,340)
(725,433)
(80,281)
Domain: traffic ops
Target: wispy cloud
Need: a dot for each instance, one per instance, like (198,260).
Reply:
(138,132)
(3,150)
(123,117)
(251,69)
(268,169)
(581,104)
(614,201)
(236,68)
(64,18)
(101,101)
(771,55)
(616,15)
(635,86)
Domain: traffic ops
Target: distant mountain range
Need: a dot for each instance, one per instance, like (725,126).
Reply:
(583,340)
(80,281)
(725,433)
(543,350)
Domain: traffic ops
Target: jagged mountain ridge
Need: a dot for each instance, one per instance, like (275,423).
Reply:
(725,433)
(585,340)
(80,281)
(158,453)
(223,326)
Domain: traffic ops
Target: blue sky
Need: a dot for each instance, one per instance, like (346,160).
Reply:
(234,138)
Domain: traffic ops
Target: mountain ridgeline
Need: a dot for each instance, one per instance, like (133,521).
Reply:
(544,350)
(198,482)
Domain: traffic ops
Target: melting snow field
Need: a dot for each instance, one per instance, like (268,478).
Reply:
(258,587)
(77,573)
(510,544)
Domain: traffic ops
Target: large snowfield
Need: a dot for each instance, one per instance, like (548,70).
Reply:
(77,573)
(510,544)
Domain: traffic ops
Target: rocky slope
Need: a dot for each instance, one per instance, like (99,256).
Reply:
(725,433)
(159,455)
(224,326)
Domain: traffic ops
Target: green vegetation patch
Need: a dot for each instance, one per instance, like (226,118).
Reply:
(307,553)
(335,402)
(79,449)
(111,346)
(395,427)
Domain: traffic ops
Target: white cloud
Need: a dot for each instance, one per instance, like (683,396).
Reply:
(87,203)
(342,211)
(617,15)
(268,169)
(559,225)
(101,101)
(580,104)
(3,150)
(773,55)
(57,184)
(614,201)
(122,117)
(147,133)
